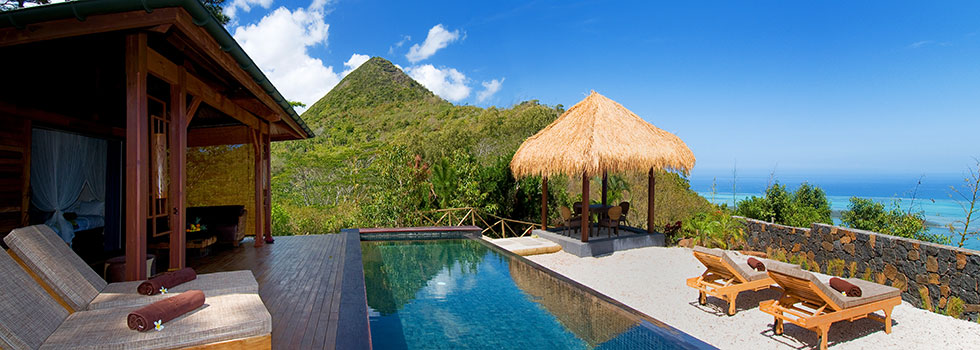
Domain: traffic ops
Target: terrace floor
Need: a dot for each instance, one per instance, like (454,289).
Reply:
(310,284)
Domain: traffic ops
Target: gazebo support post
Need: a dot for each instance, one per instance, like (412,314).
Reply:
(544,202)
(586,227)
(605,187)
(651,188)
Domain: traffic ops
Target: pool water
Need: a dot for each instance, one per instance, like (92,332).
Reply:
(462,294)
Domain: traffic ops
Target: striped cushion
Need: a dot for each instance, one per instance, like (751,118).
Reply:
(123,294)
(27,314)
(226,317)
(57,265)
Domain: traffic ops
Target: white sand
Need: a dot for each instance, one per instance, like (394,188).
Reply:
(651,280)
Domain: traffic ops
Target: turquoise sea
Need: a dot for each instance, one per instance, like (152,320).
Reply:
(932,196)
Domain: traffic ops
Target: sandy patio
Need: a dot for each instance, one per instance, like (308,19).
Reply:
(651,280)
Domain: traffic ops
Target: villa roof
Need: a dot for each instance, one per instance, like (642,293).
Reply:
(83,9)
(599,135)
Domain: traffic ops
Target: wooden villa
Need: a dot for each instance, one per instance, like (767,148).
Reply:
(146,79)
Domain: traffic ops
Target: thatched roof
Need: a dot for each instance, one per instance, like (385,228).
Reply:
(596,135)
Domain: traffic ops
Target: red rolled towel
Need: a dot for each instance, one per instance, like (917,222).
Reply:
(143,319)
(756,264)
(845,287)
(167,280)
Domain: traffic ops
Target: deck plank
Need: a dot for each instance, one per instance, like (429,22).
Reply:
(302,281)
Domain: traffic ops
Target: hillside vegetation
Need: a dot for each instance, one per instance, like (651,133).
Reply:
(387,148)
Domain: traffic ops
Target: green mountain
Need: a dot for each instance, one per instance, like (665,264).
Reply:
(386,148)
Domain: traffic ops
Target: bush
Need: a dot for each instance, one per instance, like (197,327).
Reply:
(715,229)
(808,204)
(954,307)
(866,214)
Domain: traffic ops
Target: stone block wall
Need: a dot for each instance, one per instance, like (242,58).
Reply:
(923,271)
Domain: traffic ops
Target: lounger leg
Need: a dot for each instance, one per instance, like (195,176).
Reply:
(777,326)
(731,304)
(702,298)
(888,320)
(822,331)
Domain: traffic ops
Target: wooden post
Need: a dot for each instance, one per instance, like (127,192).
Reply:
(178,178)
(651,188)
(544,202)
(137,156)
(268,185)
(605,186)
(259,202)
(586,227)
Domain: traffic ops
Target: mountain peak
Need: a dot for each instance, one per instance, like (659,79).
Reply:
(377,81)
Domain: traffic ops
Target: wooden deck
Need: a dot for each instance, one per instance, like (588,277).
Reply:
(312,285)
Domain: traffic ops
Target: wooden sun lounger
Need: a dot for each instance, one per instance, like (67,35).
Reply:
(814,305)
(31,319)
(725,277)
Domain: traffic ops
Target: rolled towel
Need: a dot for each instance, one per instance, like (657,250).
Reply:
(167,280)
(143,319)
(756,264)
(848,288)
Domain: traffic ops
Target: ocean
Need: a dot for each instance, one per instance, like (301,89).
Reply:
(932,196)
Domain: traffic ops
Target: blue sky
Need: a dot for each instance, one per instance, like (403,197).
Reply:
(821,88)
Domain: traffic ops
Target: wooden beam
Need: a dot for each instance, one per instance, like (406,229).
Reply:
(163,68)
(192,109)
(259,202)
(544,202)
(26,174)
(71,27)
(178,178)
(185,23)
(256,107)
(221,135)
(137,156)
(605,186)
(61,121)
(586,221)
(651,189)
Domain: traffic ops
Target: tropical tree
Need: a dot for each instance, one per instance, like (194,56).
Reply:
(968,202)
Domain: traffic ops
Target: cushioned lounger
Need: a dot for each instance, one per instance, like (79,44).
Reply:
(727,274)
(31,319)
(48,257)
(812,304)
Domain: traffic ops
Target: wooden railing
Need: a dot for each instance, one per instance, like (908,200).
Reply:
(499,228)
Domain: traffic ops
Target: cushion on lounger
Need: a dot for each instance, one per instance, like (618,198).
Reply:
(226,317)
(871,292)
(28,315)
(709,251)
(57,265)
(123,294)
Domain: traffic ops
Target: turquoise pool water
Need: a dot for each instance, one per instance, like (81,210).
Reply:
(461,294)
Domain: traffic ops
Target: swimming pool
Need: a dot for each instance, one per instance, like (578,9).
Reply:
(465,293)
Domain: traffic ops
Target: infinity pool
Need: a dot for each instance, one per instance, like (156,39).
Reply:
(465,294)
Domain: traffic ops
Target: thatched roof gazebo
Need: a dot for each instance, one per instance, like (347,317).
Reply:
(594,137)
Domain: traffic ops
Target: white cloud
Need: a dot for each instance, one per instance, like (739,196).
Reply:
(279,44)
(231,8)
(489,88)
(400,43)
(448,83)
(354,62)
(437,39)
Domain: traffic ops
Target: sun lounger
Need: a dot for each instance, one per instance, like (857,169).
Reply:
(727,274)
(77,287)
(32,319)
(812,304)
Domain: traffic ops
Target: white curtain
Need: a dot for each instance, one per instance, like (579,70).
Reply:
(61,165)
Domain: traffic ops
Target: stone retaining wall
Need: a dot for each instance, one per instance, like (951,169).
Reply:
(936,271)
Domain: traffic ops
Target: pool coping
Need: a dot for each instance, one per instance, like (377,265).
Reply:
(354,330)
(655,325)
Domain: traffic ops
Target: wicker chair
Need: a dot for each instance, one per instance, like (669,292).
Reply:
(626,210)
(569,221)
(612,219)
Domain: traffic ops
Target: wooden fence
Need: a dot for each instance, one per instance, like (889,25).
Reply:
(499,228)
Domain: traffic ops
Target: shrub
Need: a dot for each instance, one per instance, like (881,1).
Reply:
(866,214)
(835,267)
(715,229)
(954,307)
(808,204)
(867,274)
(852,269)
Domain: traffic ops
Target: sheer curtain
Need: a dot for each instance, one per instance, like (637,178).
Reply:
(61,164)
